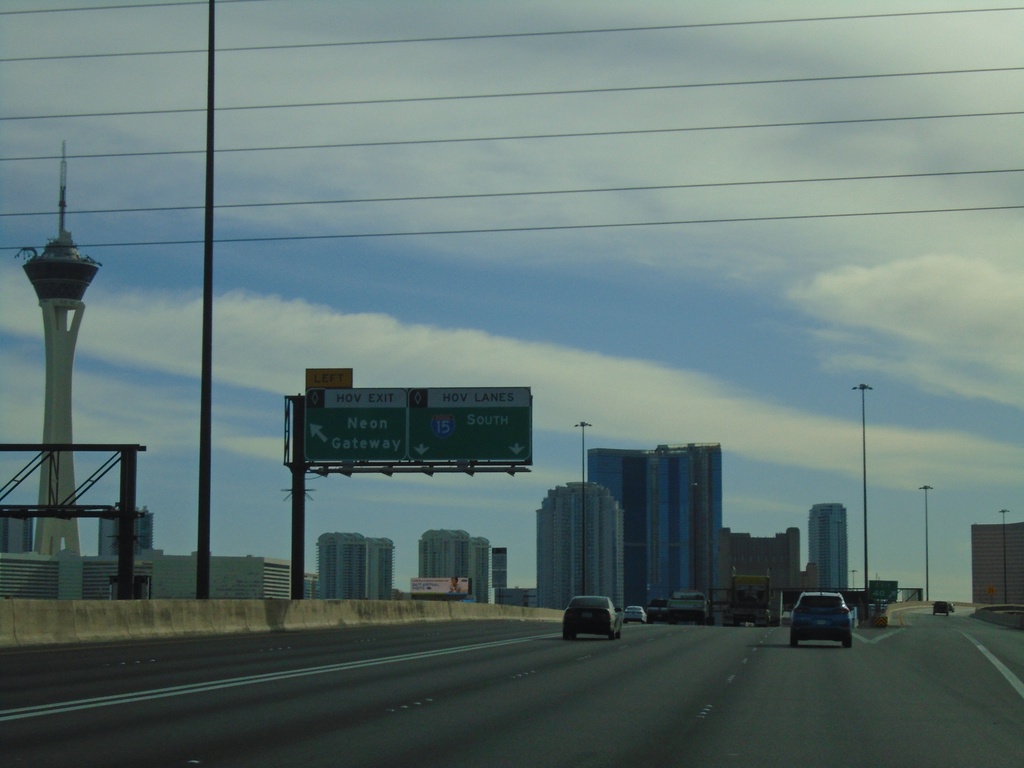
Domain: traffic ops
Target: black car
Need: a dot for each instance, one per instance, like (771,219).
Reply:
(657,610)
(821,616)
(940,606)
(591,615)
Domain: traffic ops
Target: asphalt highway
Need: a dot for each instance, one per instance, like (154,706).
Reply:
(937,691)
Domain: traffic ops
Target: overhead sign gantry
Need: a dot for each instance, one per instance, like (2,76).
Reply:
(453,425)
(337,429)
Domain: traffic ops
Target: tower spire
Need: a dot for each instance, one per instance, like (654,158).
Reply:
(63,234)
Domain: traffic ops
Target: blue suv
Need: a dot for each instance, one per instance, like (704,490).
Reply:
(821,616)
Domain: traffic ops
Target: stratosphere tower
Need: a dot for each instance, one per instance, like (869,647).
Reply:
(60,275)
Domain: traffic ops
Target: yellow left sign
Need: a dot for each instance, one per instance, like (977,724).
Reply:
(328,378)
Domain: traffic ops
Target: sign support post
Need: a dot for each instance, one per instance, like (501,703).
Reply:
(298,467)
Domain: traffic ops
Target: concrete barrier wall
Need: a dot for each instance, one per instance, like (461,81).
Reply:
(1006,616)
(42,622)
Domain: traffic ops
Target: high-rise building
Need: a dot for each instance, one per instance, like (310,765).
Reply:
(997,563)
(341,566)
(671,499)
(15,535)
(826,544)
(480,568)
(565,543)
(60,276)
(777,556)
(448,553)
(143,534)
(380,568)
(351,566)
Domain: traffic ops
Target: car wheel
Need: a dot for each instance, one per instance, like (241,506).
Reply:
(568,636)
(847,642)
(793,642)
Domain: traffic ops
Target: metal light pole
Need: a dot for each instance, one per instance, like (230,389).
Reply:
(854,585)
(864,460)
(926,488)
(583,503)
(203,551)
(1006,596)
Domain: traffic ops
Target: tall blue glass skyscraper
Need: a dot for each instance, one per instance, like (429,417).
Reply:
(672,514)
(826,544)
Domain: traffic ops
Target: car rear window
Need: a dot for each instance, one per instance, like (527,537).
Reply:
(820,601)
(588,602)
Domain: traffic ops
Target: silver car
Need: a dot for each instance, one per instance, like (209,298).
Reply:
(592,615)
(634,613)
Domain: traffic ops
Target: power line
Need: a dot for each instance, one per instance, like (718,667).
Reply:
(537,136)
(523,94)
(529,193)
(511,35)
(123,7)
(551,228)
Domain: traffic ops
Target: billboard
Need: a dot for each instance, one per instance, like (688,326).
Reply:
(454,586)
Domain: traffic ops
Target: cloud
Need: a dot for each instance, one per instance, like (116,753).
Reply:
(946,323)
(262,345)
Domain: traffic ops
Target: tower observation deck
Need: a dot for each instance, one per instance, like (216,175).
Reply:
(60,275)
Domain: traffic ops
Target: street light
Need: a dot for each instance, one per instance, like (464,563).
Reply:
(864,460)
(1006,597)
(926,488)
(583,503)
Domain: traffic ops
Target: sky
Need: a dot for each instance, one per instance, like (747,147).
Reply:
(677,221)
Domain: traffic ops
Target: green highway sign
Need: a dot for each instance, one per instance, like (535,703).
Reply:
(883,591)
(440,425)
(355,425)
(470,424)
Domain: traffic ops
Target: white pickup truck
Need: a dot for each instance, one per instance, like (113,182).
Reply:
(687,605)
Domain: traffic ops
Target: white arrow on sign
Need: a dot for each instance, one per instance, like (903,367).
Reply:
(421,448)
(517,448)
(317,431)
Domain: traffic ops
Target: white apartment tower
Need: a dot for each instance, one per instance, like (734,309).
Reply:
(447,553)
(60,276)
(566,545)
(351,566)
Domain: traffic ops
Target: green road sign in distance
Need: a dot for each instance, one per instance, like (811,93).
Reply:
(881,591)
(471,424)
(355,425)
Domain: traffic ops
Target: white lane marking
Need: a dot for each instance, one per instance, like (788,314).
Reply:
(182,690)
(876,638)
(1011,678)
